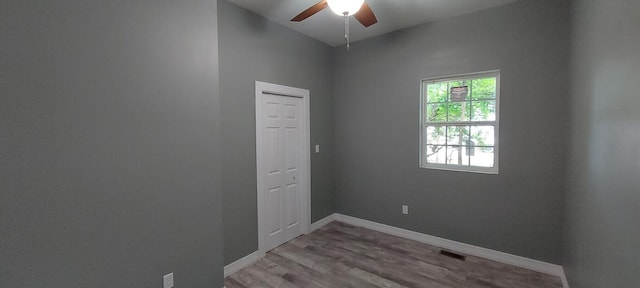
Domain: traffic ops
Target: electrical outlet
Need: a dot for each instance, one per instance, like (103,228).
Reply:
(317,148)
(405,209)
(168,280)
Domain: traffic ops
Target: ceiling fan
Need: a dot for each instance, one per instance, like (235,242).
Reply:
(358,8)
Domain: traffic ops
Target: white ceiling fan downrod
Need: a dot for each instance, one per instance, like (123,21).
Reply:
(346,29)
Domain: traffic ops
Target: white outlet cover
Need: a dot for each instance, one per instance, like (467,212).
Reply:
(317,148)
(168,280)
(405,209)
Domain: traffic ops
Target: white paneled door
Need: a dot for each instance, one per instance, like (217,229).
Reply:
(282,187)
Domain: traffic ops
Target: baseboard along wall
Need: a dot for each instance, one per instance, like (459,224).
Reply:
(506,258)
(242,262)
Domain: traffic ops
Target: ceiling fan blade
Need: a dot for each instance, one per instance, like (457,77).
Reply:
(309,12)
(365,16)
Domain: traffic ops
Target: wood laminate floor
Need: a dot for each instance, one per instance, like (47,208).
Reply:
(341,255)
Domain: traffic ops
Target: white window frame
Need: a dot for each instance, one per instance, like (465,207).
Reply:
(423,124)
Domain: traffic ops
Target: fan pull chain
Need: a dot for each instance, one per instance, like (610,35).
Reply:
(346,29)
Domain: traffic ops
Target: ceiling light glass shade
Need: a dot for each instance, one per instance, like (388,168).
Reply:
(341,6)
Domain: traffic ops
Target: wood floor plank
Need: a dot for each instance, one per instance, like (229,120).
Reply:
(392,270)
(338,271)
(231,282)
(294,273)
(341,255)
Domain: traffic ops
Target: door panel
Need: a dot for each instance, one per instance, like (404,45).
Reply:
(293,201)
(273,198)
(292,153)
(272,144)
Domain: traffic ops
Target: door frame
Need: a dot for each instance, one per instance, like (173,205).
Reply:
(263,88)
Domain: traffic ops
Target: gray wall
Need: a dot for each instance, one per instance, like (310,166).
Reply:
(377,93)
(255,49)
(603,202)
(109,144)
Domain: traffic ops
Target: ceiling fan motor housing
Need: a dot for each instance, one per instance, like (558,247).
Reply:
(345,7)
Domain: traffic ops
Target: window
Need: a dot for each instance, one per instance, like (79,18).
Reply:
(459,118)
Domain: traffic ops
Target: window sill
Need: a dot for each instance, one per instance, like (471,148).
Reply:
(468,169)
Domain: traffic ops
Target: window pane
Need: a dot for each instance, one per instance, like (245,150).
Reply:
(458,111)
(465,155)
(457,135)
(437,92)
(482,136)
(456,155)
(482,157)
(436,154)
(437,112)
(483,110)
(436,135)
(467,152)
(455,83)
(483,88)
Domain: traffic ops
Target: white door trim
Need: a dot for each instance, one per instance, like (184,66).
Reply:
(263,88)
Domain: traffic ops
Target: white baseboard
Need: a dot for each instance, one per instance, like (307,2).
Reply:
(322,222)
(563,277)
(242,262)
(527,263)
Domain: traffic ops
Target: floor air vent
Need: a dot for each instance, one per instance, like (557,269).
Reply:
(453,255)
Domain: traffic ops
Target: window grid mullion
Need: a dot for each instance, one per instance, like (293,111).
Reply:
(470,104)
(447,101)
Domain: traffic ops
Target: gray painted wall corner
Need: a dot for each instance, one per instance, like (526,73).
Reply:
(253,48)
(603,200)
(376,106)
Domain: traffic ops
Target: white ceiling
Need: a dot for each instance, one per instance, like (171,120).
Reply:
(392,15)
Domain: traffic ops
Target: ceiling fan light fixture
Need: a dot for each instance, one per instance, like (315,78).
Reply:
(341,7)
